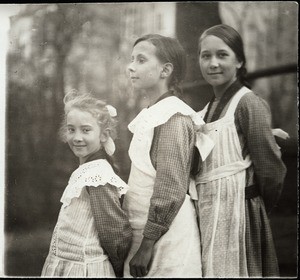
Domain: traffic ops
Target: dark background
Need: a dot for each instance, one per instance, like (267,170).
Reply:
(57,47)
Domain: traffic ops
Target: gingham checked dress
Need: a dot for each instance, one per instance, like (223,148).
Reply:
(177,253)
(75,250)
(221,198)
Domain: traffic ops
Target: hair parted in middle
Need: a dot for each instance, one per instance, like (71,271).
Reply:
(88,103)
(169,50)
(233,40)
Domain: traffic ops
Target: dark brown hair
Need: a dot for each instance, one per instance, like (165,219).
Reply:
(233,40)
(169,50)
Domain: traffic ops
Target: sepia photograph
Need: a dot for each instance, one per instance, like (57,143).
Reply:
(149,139)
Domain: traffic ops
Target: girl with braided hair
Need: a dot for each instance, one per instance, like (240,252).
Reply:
(241,180)
(166,241)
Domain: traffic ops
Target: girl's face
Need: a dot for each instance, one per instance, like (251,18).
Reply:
(83,135)
(218,62)
(145,68)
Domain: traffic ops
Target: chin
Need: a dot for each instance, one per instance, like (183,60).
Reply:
(216,83)
(79,155)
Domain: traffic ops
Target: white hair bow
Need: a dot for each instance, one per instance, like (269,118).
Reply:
(112,110)
(109,146)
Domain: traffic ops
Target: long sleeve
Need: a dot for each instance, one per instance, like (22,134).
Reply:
(112,224)
(254,120)
(171,155)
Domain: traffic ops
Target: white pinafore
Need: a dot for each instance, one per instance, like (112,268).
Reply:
(221,198)
(75,250)
(177,253)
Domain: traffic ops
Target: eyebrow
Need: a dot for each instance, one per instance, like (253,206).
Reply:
(138,55)
(220,50)
(84,125)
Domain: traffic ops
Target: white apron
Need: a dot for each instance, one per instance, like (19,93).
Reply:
(177,252)
(221,198)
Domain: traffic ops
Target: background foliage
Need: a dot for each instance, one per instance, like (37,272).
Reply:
(57,47)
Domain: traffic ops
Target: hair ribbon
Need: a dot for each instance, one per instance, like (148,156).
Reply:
(112,110)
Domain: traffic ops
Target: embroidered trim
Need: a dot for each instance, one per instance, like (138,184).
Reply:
(94,173)
(53,241)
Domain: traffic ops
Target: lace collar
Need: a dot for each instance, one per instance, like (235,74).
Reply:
(94,173)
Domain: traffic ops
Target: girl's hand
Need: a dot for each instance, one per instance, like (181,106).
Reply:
(140,263)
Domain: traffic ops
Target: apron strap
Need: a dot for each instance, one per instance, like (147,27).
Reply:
(235,101)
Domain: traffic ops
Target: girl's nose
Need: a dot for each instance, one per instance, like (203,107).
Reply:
(131,67)
(77,137)
(214,62)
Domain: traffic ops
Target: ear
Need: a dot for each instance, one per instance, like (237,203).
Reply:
(104,135)
(239,65)
(167,70)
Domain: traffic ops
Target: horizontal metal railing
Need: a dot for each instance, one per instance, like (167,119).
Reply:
(262,73)
(271,71)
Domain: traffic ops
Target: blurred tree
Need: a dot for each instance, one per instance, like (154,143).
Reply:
(54,47)
(262,26)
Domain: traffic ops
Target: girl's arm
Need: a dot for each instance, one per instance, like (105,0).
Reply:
(112,224)
(254,119)
(174,141)
(171,152)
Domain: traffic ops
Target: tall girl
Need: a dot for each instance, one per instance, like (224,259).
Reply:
(166,240)
(241,180)
(92,236)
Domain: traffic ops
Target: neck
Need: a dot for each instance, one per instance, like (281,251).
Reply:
(99,154)
(154,93)
(221,89)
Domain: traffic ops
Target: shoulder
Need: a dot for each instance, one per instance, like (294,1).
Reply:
(100,169)
(99,165)
(253,110)
(181,119)
(177,127)
(178,122)
(251,102)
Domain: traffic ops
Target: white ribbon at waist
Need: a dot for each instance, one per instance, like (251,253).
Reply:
(224,171)
(204,144)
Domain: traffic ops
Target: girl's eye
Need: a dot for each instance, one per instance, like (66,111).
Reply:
(86,130)
(70,129)
(205,56)
(141,60)
(222,55)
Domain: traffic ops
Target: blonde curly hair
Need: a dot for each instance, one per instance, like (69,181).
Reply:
(88,103)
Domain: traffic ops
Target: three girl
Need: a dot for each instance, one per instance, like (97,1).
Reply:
(241,180)
(166,241)
(238,183)
(92,235)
